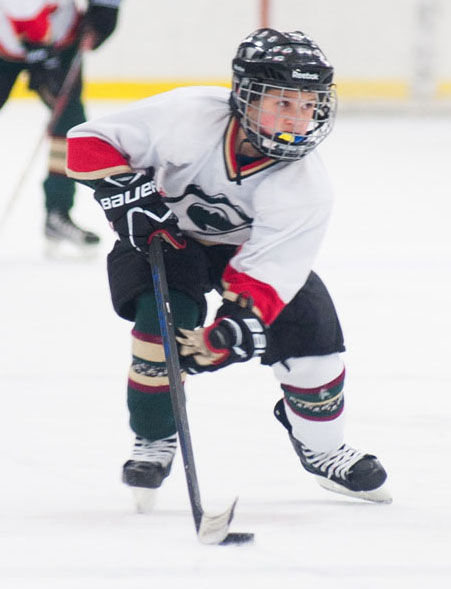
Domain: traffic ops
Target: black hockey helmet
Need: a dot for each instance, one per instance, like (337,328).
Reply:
(268,59)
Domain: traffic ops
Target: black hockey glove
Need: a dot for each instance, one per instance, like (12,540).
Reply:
(236,336)
(46,74)
(100,20)
(136,211)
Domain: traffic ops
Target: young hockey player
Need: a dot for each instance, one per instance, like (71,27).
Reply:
(233,184)
(42,38)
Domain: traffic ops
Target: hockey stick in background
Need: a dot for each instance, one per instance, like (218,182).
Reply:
(210,529)
(60,104)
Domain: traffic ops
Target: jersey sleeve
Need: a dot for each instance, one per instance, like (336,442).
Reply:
(112,144)
(144,134)
(91,158)
(292,211)
(151,132)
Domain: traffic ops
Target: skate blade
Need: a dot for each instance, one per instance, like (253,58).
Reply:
(145,499)
(213,529)
(379,495)
(63,250)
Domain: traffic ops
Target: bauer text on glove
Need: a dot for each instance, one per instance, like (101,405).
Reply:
(136,210)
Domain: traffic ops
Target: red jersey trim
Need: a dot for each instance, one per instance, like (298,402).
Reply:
(267,302)
(36,29)
(89,158)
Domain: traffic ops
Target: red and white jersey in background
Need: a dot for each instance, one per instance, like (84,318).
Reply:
(35,21)
(277,214)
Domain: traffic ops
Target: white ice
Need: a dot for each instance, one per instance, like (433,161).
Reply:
(67,522)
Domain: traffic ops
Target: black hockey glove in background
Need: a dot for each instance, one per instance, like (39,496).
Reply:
(46,74)
(236,336)
(100,20)
(136,211)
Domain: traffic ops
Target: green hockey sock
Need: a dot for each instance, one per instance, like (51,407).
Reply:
(148,396)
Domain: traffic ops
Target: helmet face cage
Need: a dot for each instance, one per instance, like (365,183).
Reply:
(283,93)
(313,111)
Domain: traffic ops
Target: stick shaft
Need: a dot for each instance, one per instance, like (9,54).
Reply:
(177,392)
(66,90)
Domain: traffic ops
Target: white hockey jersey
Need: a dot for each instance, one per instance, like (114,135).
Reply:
(35,21)
(46,22)
(276,211)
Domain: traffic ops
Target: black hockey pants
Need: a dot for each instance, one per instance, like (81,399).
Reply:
(307,326)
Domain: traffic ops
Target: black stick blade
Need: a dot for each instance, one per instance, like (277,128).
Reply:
(237,538)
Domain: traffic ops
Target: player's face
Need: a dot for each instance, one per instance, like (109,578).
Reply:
(280,110)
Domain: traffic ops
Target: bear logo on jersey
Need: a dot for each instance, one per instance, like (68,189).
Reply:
(212,214)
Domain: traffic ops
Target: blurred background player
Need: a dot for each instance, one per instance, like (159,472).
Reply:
(42,38)
(233,182)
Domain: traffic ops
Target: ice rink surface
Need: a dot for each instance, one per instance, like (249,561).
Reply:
(67,522)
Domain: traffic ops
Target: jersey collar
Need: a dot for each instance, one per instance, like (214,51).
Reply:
(233,170)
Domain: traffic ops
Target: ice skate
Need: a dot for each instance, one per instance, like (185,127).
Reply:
(149,465)
(66,239)
(345,470)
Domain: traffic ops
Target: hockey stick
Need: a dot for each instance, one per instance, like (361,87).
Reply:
(211,529)
(60,103)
